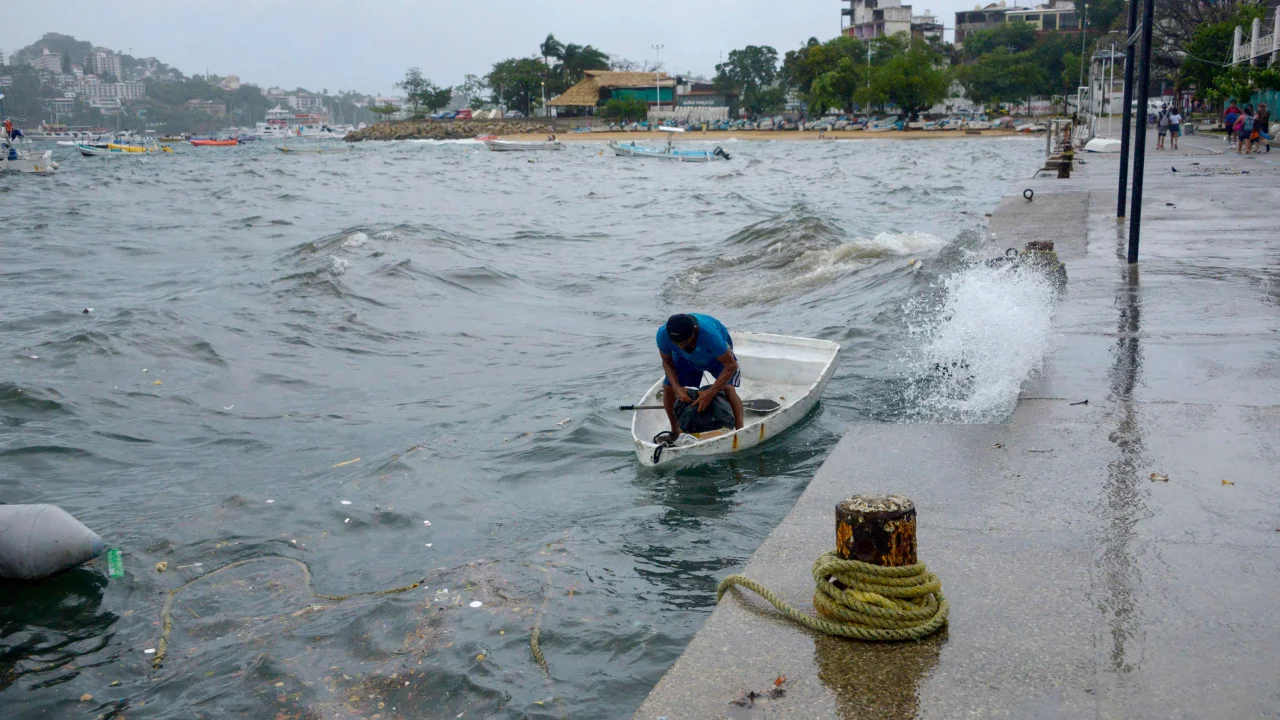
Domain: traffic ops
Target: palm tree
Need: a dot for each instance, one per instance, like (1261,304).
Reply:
(551,48)
(576,60)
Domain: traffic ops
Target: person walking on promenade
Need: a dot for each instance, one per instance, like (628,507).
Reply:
(1175,128)
(1244,127)
(1229,119)
(1262,123)
(1162,125)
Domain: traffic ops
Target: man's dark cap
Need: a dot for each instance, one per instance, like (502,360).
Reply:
(680,327)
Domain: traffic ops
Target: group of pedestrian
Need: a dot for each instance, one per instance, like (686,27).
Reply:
(1248,131)
(1168,122)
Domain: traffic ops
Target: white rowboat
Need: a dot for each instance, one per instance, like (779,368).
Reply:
(27,161)
(789,370)
(517,146)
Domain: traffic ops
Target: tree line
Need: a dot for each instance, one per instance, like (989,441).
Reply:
(1005,64)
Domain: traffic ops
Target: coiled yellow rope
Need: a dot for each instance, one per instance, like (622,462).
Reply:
(166,616)
(869,602)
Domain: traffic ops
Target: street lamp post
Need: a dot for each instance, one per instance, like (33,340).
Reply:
(657,62)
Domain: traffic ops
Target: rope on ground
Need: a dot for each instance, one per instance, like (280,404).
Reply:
(863,601)
(166,615)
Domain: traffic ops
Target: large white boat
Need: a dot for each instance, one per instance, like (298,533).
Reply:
(282,123)
(55,133)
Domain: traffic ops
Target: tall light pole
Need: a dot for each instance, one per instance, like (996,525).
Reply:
(657,62)
(1084,35)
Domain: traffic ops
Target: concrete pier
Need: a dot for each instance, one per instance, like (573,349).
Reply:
(1079,585)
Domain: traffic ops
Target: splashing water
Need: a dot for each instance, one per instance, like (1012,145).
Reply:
(988,335)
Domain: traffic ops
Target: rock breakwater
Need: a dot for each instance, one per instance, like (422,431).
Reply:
(446,129)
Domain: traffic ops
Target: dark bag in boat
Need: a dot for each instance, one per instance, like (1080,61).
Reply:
(719,414)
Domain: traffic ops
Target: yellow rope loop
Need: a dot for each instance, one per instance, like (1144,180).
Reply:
(870,602)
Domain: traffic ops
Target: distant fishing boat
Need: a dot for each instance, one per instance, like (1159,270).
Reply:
(883,125)
(518,146)
(669,152)
(791,372)
(210,142)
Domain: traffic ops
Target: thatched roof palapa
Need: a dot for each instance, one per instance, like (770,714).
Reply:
(587,92)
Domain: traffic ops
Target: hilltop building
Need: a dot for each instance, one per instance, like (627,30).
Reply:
(213,107)
(104,62)
(1,56)
(230,82)
(1055,16)
(91,88)
(47,62)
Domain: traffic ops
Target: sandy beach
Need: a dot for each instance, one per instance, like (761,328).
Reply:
(806,135)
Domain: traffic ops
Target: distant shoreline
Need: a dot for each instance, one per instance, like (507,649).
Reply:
(786,135)
(539,130)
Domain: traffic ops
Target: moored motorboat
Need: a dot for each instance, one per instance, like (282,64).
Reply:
(211,142)
(669,152)
(791,371)
(14,160)
(522,146)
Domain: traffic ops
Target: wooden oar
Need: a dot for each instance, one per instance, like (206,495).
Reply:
(759,405)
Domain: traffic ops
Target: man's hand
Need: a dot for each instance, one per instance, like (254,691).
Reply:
(703,401)
(683,396)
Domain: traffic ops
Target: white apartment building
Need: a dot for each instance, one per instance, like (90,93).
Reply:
(104,62)
(90,88)
(874,18)
(48,62)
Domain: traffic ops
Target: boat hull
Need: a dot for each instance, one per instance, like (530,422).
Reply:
(668,155)
(40,163)
(789,370)
(514,146)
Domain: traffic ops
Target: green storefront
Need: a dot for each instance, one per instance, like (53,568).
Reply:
(649,95)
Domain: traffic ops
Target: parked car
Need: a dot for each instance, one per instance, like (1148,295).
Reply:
(514,114)
(463,114)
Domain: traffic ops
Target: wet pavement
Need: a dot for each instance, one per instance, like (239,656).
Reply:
(1079,585)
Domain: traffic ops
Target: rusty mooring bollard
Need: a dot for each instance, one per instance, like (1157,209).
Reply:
(877,529)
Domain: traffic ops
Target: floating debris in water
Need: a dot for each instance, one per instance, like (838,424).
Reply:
(228,407)
(347,520)
(476,603)
(426,522)
(1227,482)
(345,502)
(347,462)
(162,566)
(562,423)
(150,651)
(157,383)
(1158,476)
(86,697)
(270,501)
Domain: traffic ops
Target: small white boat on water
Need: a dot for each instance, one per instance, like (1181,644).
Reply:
(669,152)
(790,371)
(522,146)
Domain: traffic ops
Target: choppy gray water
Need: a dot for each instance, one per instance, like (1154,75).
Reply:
(464,323)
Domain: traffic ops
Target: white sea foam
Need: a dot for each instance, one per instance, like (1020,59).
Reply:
(974,352)
(908,243)
(337,265)
(355,239)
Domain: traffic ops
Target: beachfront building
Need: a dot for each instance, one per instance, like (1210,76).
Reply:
(874,18)
(879,18)
(926,27)
(600,86)
(979,18)
(1056,16)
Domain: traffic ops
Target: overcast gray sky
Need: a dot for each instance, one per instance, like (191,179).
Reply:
(366,45)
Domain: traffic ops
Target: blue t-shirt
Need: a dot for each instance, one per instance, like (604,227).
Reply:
(713,341)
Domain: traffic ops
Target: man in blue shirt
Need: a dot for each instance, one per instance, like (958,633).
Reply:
(691,344)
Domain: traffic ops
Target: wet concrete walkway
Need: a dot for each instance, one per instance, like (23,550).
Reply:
(1079,586)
